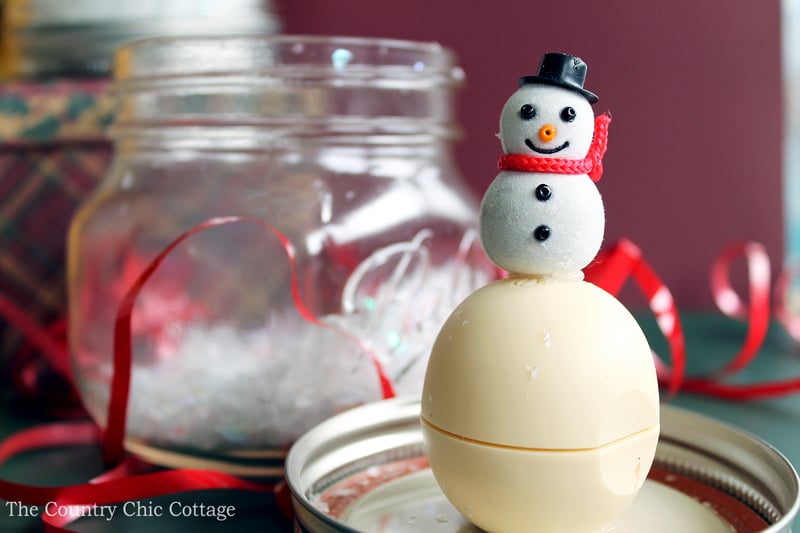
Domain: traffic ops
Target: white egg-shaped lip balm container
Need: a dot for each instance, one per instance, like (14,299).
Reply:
(540,407)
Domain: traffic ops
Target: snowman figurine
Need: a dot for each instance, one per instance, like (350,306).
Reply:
(540,407)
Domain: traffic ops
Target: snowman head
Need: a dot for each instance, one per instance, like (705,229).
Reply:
(547,121)
(551,113)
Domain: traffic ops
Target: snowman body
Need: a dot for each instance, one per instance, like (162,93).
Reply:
(517,204)
(540,407)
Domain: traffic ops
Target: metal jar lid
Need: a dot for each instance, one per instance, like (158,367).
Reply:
(337,470)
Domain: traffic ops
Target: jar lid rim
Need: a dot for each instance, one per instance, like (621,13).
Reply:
(296,56)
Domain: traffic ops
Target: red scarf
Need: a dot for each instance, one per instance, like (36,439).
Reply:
(592,164)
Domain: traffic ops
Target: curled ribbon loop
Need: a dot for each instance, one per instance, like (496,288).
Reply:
(756,313)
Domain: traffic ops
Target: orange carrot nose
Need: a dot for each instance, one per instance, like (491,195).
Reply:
(547,133)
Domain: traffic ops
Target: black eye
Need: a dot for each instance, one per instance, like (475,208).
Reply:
(568,114)
(527,112)
(541,233)
(543,192)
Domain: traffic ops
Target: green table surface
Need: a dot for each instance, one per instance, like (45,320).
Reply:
(711,340)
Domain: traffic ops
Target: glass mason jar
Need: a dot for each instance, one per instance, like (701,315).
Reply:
(342,146)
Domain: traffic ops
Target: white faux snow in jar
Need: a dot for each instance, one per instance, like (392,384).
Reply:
(342,146)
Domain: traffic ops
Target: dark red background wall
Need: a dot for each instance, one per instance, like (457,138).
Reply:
(694,158)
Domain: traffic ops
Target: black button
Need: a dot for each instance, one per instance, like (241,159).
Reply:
(543,192)
(541,233)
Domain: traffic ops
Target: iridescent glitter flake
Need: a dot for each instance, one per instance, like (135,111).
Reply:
(341,57)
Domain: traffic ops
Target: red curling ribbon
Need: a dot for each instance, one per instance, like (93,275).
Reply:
(743,392)
(113,446)
(757,312)
(611,269)
(757,315)
(49,435)
(592,164)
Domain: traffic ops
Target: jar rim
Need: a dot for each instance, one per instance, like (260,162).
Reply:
(86,14)
(300,58)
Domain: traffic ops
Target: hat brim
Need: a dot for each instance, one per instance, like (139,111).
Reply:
(593,98)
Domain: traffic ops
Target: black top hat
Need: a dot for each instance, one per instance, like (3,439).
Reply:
(563,70)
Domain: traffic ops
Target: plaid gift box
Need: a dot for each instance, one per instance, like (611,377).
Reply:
(53,152)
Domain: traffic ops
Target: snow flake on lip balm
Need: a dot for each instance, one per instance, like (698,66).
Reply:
(543,215)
